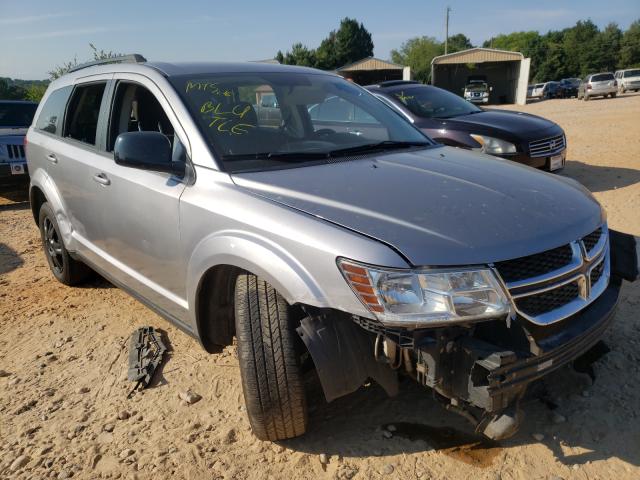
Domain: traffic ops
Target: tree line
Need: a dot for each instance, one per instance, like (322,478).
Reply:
(572,52)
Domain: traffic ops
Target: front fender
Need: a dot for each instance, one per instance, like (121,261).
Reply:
(259,256)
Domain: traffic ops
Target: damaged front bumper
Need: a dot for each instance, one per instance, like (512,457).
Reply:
(480,370)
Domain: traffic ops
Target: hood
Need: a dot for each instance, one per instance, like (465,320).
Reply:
(439,206)
(13,136)
(518,123)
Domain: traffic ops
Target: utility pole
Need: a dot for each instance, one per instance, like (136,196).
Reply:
(446,32)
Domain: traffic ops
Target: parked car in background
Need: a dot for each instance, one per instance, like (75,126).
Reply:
(538,91)
(477,91)
(569,87)
(530,91)
(448,119)
(552,90)
(628,80)
(598,85)
(365,256)
(15,118)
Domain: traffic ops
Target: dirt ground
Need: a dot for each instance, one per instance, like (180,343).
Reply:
(63,394)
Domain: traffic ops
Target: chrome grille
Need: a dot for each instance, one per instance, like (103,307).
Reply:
(547,146)
(558,283)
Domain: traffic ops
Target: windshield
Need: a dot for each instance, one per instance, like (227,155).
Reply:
(259,121)
(16,114)
(632,73)
(432,102)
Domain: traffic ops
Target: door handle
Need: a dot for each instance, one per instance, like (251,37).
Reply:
(102,179)
(52,158)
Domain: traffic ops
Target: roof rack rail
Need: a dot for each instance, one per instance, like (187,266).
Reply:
(133,58)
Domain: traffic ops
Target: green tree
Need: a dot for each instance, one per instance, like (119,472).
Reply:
(417,53)
(34,92)
(458,42)
(630,47)
(326,56)
(300,55)
(10,91)
(608,47)
(352,42)
(580,48)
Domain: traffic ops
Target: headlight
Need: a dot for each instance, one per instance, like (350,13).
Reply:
(407,298)
(492,145)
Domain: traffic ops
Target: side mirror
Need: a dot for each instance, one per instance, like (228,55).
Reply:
(146,151)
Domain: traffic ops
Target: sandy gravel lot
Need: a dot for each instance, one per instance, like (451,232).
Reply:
(63,353)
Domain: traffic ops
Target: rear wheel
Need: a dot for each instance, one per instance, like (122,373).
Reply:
(269,363)
(64,268)
(613,95)
(586,98)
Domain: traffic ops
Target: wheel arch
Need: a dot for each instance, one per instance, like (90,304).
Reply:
(212,271)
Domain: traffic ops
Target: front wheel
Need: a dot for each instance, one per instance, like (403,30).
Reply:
(269,363)
(64,268)
(613,95)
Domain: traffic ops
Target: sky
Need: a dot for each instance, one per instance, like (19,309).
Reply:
(37,35)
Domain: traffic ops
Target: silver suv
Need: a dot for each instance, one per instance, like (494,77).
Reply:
(598,85)
(357,248)
(628,80)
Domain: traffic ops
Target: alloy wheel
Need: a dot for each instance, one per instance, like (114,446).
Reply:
(53,245)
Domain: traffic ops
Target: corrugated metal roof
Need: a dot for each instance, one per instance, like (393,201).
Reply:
(370,63)
(478,55)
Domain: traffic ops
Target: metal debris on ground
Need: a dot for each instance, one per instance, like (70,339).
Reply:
(146,349)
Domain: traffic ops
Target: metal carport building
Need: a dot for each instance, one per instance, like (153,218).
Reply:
(373,70)
(506,72)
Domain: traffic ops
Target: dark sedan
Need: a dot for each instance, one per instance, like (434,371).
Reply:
(569,87)
(450,120)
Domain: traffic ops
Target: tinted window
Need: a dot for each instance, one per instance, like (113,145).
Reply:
(84,110)
(136,109)
(52,113)
(16,114)
(631,73)
(432,102)
(602,77)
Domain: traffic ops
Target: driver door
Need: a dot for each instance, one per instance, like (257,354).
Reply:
(140,208)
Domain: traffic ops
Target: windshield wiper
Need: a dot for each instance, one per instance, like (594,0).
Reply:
(373,147)
(283,156)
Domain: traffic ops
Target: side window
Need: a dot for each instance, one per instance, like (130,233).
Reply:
(136,109)
(50,118)
(334,109)
(84,110)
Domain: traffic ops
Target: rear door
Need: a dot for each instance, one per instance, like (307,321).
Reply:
(140,245)
(71,160)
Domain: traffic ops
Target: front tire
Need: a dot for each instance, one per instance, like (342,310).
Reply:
(64,268)
(271,373)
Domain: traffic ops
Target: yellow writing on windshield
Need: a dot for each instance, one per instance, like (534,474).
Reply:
(404,98)
(210,87)
(226,119)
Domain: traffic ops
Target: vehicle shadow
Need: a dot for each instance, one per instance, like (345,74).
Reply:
(355,426)
(14,197)
(600,179)
(9,259)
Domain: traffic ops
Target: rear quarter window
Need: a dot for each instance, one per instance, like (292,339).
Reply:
(603,77)
(52,113)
